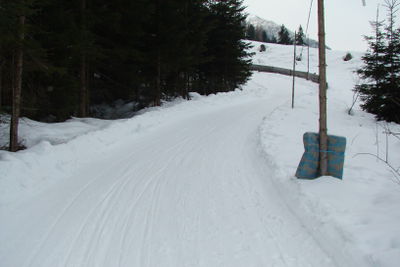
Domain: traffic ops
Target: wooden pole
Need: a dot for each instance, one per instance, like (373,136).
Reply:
(323,132)
(294,68)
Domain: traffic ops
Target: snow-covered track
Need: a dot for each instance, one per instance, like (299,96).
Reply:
(194,191)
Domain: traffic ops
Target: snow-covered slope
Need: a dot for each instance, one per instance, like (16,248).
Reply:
(206,182)
(363,208)
(271,28)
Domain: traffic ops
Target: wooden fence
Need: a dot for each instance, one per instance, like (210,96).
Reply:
(301,74)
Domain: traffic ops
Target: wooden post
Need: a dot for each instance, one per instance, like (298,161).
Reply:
(294,68)
(323,132)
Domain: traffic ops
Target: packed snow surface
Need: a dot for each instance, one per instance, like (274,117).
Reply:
(206,182)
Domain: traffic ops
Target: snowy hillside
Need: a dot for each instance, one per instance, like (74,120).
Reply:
(207,182)
(363,208)
(271,28)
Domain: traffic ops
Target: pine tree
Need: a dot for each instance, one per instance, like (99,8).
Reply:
(229,64)
(56,81)
(67,35)
(265,38)
(193,46)
(391,90)
(124,44)
(251,32)
(300,36)
(4,22)
(283,36)
(14,45)
(17,89)
(138,50)
(273,40)
(381,91)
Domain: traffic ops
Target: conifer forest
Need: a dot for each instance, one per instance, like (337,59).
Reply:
(59,58)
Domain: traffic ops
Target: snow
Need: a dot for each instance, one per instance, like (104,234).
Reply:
(206,182)
(364,207)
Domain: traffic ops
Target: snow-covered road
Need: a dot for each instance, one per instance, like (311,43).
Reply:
(207,182)
(192,192)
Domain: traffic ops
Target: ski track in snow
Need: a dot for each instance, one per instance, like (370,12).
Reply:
(192,193)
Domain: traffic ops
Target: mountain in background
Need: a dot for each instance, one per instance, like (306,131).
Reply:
(271,28)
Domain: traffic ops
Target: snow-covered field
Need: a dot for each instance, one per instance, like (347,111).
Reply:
(206,182)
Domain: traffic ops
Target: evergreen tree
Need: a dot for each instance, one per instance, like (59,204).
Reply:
(300,36)
(67,34)
(251,33)
(138,50)
(229,64)
(122,36)
(174,41)
(22,12)
(16,46)
(273,40)
(381,91)
(265,38)
(194,45)
(283,36)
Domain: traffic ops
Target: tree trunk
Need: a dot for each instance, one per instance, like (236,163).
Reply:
(157,100)
(323,132)
(83,65)
(1,82)
(1,73)
(83,89)
(16,107)
(157,97)
(187,85)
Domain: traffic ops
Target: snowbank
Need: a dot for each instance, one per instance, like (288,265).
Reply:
(364,207)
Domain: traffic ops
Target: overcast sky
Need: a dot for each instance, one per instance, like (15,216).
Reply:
(346,20)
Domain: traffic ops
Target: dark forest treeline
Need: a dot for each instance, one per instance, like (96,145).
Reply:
(78,53)
(257,33)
